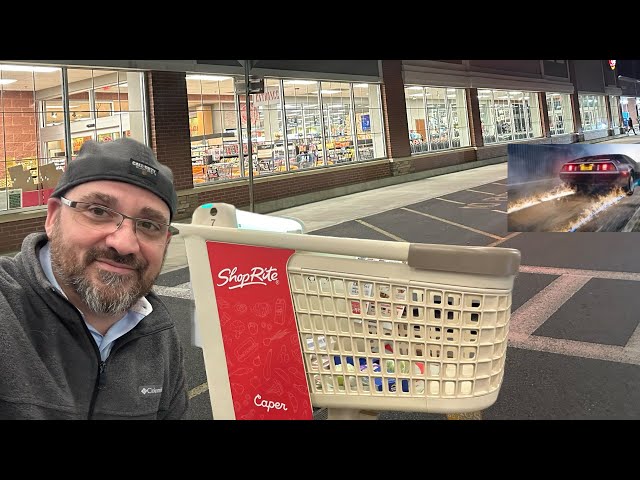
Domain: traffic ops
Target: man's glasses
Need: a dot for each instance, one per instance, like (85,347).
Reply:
(106,220)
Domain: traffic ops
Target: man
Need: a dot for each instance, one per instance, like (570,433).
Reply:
(81,336)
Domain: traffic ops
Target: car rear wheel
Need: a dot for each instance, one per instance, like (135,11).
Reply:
(631,185)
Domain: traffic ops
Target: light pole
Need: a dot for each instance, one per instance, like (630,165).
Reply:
(247,69)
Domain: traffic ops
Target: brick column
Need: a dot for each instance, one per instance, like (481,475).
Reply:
(395,110)
(170,134)
(473,112)
(609,115)
(577,119)
(575,103)
(544,112)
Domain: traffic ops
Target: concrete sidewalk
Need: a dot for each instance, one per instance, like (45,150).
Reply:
(333,211)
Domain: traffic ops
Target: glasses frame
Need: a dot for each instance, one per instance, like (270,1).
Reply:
(74,204)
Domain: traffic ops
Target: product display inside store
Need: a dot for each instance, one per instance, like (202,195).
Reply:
(288,112)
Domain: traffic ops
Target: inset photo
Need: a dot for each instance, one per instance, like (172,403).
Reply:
(573,188)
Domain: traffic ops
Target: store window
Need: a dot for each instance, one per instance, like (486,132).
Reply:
(593,112)
(293,123)
(560,115)
(213,123)
(509,115)
(103,105)
(614,103)
(437,118)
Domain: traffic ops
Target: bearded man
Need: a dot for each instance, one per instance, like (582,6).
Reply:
(81,334)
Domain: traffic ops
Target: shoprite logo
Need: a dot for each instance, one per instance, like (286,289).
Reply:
(257,276)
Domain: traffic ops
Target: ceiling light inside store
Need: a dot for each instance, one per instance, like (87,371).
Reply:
(26,68)
(414,88)
(328,92)
(300,82)
(361,85)
(207,78)
(6,81)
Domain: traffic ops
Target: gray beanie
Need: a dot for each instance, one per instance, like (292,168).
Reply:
(122,160)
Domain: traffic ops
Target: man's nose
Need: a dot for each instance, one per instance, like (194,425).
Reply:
(124,239)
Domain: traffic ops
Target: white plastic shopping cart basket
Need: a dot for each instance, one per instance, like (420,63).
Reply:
(290,321)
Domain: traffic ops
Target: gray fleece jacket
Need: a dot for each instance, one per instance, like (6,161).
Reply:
(50,366)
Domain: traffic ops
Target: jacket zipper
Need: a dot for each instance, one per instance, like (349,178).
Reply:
(102,365)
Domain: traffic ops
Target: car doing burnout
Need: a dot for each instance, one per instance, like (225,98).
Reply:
(596,171)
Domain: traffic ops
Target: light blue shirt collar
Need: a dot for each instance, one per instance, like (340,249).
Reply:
(134,315)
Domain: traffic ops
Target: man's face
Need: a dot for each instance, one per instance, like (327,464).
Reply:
(109,272)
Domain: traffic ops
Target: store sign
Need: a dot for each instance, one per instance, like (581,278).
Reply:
(612,64)
(268,97)
(366,122)
(259,332)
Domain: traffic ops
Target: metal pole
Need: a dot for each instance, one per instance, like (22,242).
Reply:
(247,67)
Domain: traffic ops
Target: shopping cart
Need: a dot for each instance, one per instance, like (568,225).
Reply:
(292,321)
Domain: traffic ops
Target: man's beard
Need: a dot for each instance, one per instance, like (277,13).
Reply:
(111,293)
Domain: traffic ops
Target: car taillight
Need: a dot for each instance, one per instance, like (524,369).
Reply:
(605,167)
(569,168)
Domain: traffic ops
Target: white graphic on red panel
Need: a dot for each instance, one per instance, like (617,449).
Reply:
(268,404)
(276,336)
(257,276)
(261,310)
(237,328)
(267,366)
(278,318)
(275,388)
(284,355)
(284,376)
(255,382)
(225,319)
(237,388)
(294,402)
(253,328)
(245,349)
(240,308)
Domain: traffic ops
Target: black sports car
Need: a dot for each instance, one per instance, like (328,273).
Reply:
(593,171)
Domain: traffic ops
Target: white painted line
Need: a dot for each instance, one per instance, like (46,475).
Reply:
(511,235)
(634,277)
(573,348)
(634,340)
(478,191)
(198,390)
(379,230)
(498,183)
(174,292)
(451,201)
(500,211)
(632,222)
(453,223)
(545,303)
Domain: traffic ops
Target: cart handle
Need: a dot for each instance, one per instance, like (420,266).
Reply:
(449,258)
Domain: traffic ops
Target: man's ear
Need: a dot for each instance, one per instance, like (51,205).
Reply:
(54,206)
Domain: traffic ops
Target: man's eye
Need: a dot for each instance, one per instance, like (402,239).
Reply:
(148,225)
(97,211)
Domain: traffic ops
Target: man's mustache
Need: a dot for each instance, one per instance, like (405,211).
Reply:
(129,260)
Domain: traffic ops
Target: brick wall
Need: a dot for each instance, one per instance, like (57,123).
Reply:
(395,111)
(12,233)
(287,186)
(18,125)
(170,137)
